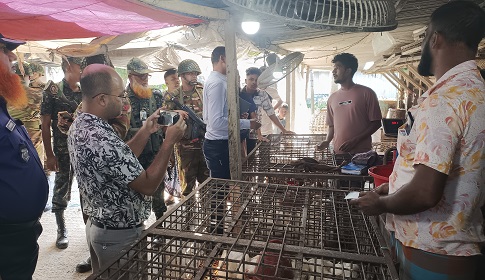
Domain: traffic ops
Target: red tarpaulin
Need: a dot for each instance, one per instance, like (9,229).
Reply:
(33,20)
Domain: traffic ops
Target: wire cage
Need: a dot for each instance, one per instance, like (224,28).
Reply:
(279,154)
(274,162)
(315,180)
(244,230)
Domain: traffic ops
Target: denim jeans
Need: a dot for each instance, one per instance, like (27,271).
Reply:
(216,153)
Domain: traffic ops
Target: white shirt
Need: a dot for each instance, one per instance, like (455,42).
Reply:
(216,114)
(266,122)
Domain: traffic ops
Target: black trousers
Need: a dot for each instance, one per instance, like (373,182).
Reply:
(19,250)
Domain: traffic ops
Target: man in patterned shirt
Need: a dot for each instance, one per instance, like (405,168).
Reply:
(438,187)
(115,188)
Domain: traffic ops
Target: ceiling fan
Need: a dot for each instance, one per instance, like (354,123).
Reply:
(280,69)
(344,15)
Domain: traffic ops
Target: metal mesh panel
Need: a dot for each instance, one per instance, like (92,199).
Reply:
(364,15)
(270,232)
(278,154)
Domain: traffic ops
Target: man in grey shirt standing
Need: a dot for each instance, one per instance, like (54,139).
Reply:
(216,116)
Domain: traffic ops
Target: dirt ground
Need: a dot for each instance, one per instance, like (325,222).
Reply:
(59,264)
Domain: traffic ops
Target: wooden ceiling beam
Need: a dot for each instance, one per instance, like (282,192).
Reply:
(425,80)
(411,80)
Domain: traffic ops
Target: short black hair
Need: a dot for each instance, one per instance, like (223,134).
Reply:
(253,71)
(96,82)
(348,60)
(284,105)
(66,61)
(460,21)
(217,53)
(482,72)
(169,72)
(97,59)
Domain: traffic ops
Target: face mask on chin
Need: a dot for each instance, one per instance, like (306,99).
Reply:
(11,87)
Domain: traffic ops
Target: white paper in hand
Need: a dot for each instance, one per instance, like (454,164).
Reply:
(352,195)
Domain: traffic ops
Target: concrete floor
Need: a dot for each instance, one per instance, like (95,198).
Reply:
(59,264)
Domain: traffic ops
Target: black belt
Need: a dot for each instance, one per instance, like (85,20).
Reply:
(101,225)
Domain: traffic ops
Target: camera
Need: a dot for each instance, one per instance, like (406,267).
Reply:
(168,118)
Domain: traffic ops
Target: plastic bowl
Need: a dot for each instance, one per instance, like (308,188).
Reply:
(381,174)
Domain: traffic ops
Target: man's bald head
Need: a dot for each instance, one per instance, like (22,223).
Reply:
(98,78)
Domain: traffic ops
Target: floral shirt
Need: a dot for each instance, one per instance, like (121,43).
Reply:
(104,166)
(448,135)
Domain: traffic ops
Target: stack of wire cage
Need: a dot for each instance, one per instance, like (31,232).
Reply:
(272,162)
(280,223)
(247,230)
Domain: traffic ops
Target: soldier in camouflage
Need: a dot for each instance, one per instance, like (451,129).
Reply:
(190,157)
(144,101)
(60,101)
(29,114)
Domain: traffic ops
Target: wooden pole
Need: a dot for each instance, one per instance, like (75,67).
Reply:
(289,121)
(293,99)
(312,92)
(307,80)
(233,100)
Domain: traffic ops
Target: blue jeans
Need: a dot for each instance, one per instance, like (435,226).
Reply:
(216,153)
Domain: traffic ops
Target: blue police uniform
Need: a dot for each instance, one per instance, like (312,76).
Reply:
(24,190)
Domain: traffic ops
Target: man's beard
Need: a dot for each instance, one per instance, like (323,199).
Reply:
(424,67)
(11,88)
(141,91)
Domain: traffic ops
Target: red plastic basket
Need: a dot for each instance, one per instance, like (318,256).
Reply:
(381,174)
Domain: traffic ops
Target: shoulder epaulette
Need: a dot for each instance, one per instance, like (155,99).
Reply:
(54,88)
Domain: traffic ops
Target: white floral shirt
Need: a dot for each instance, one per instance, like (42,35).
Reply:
(448,135)
(104,166)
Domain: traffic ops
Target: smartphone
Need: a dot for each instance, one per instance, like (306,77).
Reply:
(168,118)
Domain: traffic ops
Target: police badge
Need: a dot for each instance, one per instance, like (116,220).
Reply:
(24,153)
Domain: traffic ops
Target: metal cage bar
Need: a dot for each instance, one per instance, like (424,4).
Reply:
(278,154)
(270,232)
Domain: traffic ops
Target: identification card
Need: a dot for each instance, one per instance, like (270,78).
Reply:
(10,125)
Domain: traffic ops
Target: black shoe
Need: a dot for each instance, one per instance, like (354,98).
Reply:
(84,266)
(61,242)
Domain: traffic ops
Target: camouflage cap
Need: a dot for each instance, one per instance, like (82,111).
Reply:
(75,60)
(136,66)
(26,67)
(37,68)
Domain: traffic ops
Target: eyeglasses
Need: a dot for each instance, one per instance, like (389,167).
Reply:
(122,96)
(142,76)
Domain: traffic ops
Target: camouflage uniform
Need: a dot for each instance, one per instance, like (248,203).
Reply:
(190,157)
(141,108)
(58,99)
(120,124)
(30,114)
